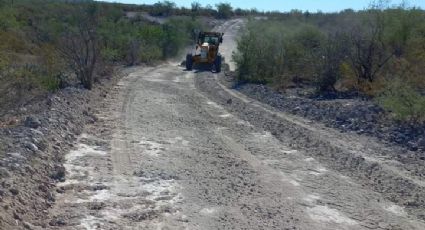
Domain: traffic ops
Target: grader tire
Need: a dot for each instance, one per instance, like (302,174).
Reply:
(189,62)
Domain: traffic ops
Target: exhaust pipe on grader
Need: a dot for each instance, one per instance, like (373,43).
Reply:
(206,51)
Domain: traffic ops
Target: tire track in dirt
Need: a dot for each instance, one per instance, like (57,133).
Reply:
(168,156)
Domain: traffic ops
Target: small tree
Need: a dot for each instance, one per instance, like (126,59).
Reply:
(333,52)
(224,10)
(196,7)
(370,53)
(78,45)
(165,8)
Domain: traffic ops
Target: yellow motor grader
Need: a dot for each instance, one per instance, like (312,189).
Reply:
(206,51)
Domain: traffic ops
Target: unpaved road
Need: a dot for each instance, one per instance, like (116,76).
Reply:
(166,156)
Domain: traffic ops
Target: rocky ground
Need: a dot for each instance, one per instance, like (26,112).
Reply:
(34,140)
(348,115)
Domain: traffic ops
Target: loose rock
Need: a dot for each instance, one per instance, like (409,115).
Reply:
(32,122)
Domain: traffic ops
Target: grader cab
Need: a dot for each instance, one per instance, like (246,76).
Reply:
(206,51)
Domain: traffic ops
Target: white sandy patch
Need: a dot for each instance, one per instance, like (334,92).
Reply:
(83,150)
(91,223)
(321,169)
(311,198)
(68,182)
(398,210)
(102,195)
(318,171)
(314,173)
(290,151)
(263,135)
(84,136)
(294,182)
(214,104)
(76,171)
(326,214)
(180,140)
(226,115)
(208,211)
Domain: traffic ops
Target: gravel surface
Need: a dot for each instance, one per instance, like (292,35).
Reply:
(368,161)
(176,150)
(164,155)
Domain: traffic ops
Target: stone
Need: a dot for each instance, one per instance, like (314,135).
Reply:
(28,225)
(4,173)
(412,146)
(32,122)
(16,156)
(14,191)
(57,222)
(39,143)
(421,143)
(31,146)
(16,216)
(59,173)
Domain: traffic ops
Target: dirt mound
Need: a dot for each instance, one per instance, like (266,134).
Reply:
(32,151)
(356,115)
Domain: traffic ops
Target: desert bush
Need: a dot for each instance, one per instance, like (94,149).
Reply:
(8,17)
(254,55)
(150,53)
(135,41)
(224,10)
(177,34)
(165,8)
(31,77)
(277,53)
(4,62)
(110,55)
(350,50)
(403,101)
(331,64)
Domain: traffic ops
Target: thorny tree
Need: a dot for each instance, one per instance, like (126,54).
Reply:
(369,52)
(78,45)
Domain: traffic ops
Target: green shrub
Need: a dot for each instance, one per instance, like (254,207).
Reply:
(8,18)
(178,33)
(150,53)
(110,54)
(326,51)
(4,61)
(276,52)
(33,78)
(403,101)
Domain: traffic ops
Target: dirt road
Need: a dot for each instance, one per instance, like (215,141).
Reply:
(165,155)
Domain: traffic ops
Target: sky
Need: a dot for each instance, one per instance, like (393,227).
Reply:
(284,5)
